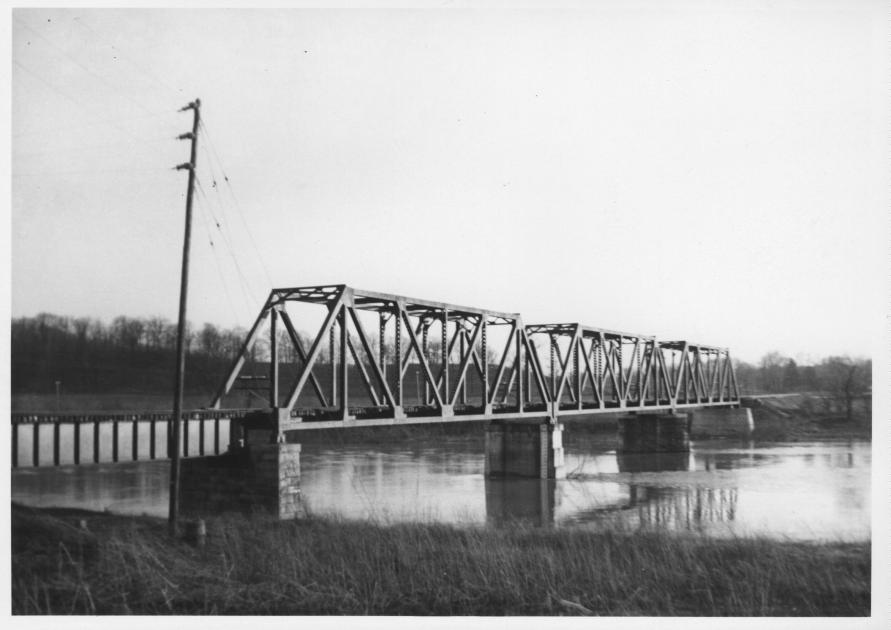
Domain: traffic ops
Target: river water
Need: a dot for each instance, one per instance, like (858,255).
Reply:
(791,491)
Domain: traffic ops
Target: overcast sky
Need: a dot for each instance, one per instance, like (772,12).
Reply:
(715,171)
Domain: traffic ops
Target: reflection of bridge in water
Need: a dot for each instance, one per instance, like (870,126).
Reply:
(643,504)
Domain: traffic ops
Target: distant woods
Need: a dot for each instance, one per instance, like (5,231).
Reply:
(128,355)
(841,379)
(137,355)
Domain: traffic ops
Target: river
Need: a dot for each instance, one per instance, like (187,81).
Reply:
(791,491)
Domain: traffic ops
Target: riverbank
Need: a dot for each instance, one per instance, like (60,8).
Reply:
(73,562)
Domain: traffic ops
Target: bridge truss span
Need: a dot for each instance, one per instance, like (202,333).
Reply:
(377,359)
(595,369)
(383,356)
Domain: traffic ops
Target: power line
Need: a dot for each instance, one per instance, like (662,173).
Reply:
(96,171)
(213,249)
(102,122)
(115,88)
(87,147)
(242,279)
(79,21)
(69,97)
(237,205)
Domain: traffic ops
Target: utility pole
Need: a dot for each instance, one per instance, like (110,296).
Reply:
(174,446)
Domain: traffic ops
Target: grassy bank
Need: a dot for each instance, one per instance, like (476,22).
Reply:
(319,566)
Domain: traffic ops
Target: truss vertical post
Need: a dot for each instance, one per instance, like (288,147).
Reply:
(445,354)
(332,337)
(461,350)
(576,342)
(425,333)
(398,348)
(344,365)
(273,358)
(521,369)
(382,343)
(484,350)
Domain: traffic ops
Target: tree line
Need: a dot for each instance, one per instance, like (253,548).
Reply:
(841,379)
(138,353)
(128,354)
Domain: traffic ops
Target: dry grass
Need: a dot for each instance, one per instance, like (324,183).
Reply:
(323,566)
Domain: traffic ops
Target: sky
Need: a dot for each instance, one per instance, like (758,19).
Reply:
(712,171)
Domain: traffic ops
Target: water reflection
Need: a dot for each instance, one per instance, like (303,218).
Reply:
(527,501)
(653,462)
(799,491)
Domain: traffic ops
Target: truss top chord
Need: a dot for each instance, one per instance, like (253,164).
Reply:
(586,331)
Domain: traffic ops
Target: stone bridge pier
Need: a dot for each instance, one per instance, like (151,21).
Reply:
(260,472)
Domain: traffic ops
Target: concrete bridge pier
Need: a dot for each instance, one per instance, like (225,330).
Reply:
(259,473)
(654,433)
(721,422)
(525,448)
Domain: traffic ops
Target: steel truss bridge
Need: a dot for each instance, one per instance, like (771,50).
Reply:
(383,359)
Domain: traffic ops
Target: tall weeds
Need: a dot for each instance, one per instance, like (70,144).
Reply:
(328,566)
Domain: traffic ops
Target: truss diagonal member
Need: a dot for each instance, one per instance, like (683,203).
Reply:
(590,374)
(450,346)
(663,372)
(734,386)
(700,371)
(493,394)
(510,382)
(238,363)
(362,372)
(714,376)
(333,312)
(691,374)
(413,340)
(363,339)
(465,360)
(646,370)
(407,355)
(564,364)
(298,346)
(680,374)
(609,359)
(627,378)
(532,353)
